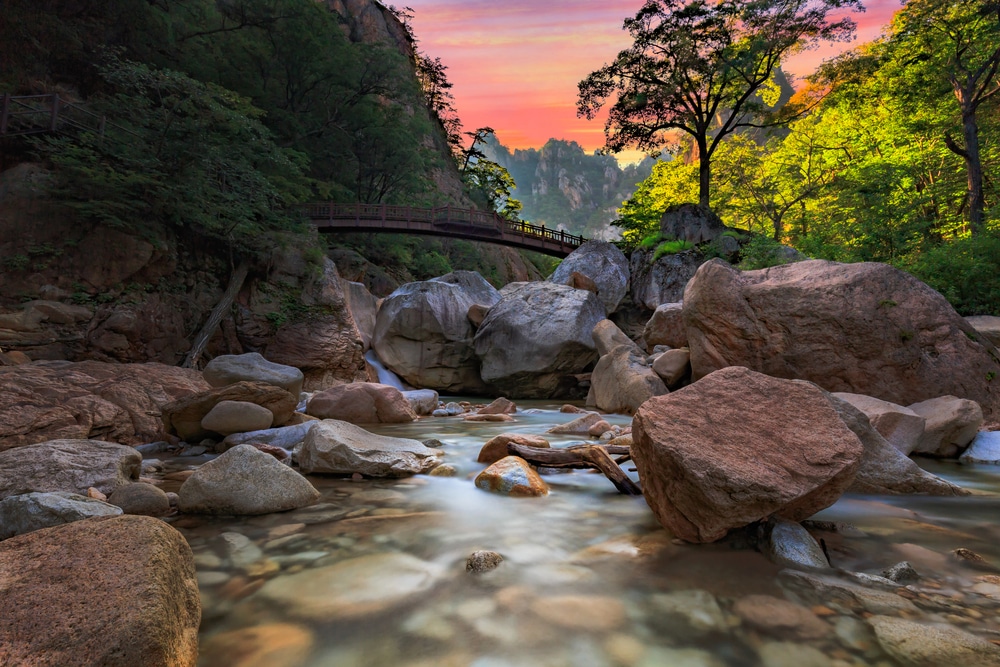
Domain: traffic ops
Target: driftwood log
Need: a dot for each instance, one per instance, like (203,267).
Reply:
(582,456)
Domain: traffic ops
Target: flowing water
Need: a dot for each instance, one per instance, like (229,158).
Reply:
(375,574)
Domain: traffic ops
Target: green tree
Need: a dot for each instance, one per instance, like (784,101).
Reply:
(489,184)
(704,68)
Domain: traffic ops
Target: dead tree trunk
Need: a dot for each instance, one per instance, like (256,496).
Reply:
(236,281)
(587,456)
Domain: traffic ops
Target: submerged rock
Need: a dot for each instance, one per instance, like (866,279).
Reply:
(932,644)
(512,476)
(483,561)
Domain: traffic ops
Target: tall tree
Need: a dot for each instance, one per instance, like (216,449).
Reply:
(961,43)
(703,67)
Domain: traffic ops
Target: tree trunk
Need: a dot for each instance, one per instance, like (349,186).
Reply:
(704,173)
(974,167)
(236,280)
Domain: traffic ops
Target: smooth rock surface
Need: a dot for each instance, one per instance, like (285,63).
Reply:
(901,427)
(33,511)
(228,369)
(862,328)
(950,425)
(738,446)
(496,447)
(424,335)
(115,592)
(140,498)
(607,336)
(673,366)
(780,618)
(500,406)
(512,476)
(245,481)
(666,326)
(362,403)
(987,326)
(286,437)
(68,465)
(622,381)
(352,589)
(932,644)
(601,262)
(885,469)
(228,417)
(536,338)
(337,447)
(791,545)
(985,448)
(579,426)
(422,401)
(184,417)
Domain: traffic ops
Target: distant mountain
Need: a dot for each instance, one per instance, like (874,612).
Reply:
(565,187)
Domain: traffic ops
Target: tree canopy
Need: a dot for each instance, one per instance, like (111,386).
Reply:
(704,68)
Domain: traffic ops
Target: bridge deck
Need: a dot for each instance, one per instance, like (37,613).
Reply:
(469,224)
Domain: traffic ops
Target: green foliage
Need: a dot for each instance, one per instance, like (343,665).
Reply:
(761,252)
(670,248)
(966,271)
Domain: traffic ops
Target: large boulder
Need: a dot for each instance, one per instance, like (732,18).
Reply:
(691,223)
(363,306)
(950,424)
(424,335)
(985,448)
(659,281)
(986,326)
(861,328)
(362,403)
(622,381)
(536,338)
(109,592)
(902,427)
(184,417)
(68,465)
(601,262)
(89,400)
(738,446)
(337,447)
(228,417)
(245,480)
(884,469)
(252,367)
(29,512)
(666,327)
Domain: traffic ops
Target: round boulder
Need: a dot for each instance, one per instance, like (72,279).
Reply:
(252,367)
(229,417)
(362,403)
(536,338)
(601,262)
(423,332)
(139,498)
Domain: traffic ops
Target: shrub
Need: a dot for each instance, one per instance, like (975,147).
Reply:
(966,271)
(761,252)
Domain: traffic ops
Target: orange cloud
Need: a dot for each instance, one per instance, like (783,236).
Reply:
(515,65)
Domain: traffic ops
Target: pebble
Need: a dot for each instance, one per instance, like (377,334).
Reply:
(483,561)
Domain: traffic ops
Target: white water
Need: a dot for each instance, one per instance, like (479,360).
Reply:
(385,376)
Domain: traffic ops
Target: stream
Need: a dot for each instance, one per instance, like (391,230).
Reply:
(374,575)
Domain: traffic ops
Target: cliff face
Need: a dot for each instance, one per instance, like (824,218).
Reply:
(372,23)
(564,187)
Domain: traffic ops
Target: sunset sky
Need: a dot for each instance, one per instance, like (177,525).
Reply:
(515,64)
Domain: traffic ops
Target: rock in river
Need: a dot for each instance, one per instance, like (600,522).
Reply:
(341,448)
(68,465)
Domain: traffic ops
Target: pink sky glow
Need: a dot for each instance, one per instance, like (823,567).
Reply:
(515,64)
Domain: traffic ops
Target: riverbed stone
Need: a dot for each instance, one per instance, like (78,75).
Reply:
(932,644)
(496,447)
(865,328)
(666,327)
(227,369)
(269,645)
(586,613)
(537,338)
(606,267)
(689,612)
(884,469)
(423,332)
(183,417)
(900,426)
(111,591)
(68,465)
(500,406)
(423,401)
(228,417)
(622,381)
(352,589)
(790,545)
(33,511)
(483,561)
(245,481)
(950,425)
(362,403)
(140,498)
(512,476)
(286,437)
(341,448)
(579,426)
(814,588)
(738,446)
(780,618)
(985,448)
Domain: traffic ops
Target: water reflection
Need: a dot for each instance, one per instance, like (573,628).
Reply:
(374,574)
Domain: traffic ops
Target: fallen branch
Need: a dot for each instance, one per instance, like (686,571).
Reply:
(584,456)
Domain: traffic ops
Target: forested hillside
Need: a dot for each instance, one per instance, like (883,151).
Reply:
(893,158)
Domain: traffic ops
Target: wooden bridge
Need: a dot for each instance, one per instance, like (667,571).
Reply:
(460,223)
(36,114)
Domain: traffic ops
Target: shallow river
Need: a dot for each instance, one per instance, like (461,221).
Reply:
(374,575)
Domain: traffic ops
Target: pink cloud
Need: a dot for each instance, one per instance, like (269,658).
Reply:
(515,65)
